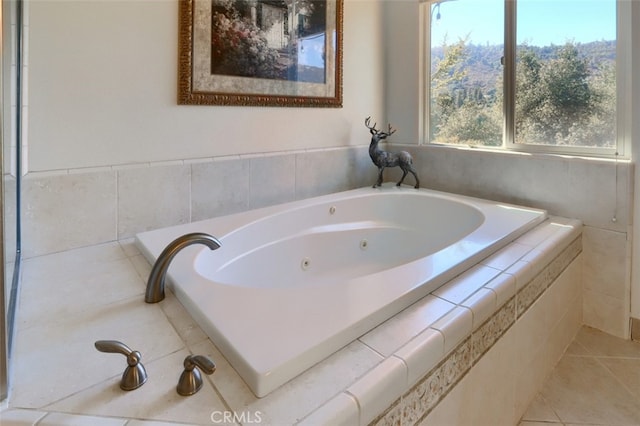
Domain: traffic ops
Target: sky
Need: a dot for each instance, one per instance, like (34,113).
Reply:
(540,22)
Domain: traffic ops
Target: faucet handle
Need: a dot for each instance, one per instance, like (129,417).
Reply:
(191,380)
(134,375)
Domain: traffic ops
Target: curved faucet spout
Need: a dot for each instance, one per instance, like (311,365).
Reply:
(155,285)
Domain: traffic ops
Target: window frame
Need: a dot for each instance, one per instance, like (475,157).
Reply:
(623,88)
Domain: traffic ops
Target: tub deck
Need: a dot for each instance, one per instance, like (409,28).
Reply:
(505,352)
(276,316)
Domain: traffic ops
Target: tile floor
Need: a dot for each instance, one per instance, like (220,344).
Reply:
(597,382)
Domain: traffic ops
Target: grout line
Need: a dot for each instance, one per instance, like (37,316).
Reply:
(615,377)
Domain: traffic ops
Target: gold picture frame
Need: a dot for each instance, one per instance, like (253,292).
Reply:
(283,53)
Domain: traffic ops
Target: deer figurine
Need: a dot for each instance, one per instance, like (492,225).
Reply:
(384,159)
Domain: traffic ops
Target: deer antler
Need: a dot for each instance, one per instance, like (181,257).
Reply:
(391,131)
(366,123)
(376,131)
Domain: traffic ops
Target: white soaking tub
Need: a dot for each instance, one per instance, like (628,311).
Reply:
(291,284)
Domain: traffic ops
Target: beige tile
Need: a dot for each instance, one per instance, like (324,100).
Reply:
(142,267)
(450,411)
(563,333)
(74,264)
(530,375)
(581,390)
(587,177)
(467,283)
(538,258)
(584,424)
(152,197)
(341,169)
(68,211)
(135,422)
(79,275)
(377,389)
(422,354)
(538,234)
(599,343)
(523,272)
(399,329)
(57,419)
(186,327)
(504,285)
(605,255)
(534,331)
(19,417)
(129,247)
(606,313)
(564,291)
(301,395)
(540,410)
(455,326)
(576,349)
(627,371)
(551,247)
(493,400)
(537,175)
(157,399)
(482,304)
(272,180)
(48,364)
(90,287)
(219,188)
(342,410)
(506,257)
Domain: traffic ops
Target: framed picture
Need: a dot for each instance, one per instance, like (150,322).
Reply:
(284,53)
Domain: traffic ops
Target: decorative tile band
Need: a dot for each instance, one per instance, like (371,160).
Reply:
(416,404)
(534,289)
(488,333)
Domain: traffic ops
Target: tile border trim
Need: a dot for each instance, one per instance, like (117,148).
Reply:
(419,401)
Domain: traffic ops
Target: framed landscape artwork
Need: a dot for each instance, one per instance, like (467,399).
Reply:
(284,53)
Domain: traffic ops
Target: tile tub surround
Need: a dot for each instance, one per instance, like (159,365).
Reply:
(69,209)
(564,186)
(442,335)
(123,200)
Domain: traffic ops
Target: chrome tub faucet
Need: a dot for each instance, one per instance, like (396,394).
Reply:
(155,284)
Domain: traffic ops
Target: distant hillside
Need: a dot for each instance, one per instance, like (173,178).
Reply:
(483,61)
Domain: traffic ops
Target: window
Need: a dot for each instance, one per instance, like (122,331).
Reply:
(550,85)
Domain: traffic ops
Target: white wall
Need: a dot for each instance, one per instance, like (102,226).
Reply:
(103,90)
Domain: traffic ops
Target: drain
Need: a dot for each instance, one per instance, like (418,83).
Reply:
(332,210)
(305,264)
(364,244)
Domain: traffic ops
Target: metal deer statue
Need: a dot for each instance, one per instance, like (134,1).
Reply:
(384,159)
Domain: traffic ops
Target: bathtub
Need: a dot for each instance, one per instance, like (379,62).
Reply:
(294,283)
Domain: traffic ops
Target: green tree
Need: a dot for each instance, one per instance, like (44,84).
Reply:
(473,123)
(446,76)
(564,100)
(461,111)
(564,96)
(600,128)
